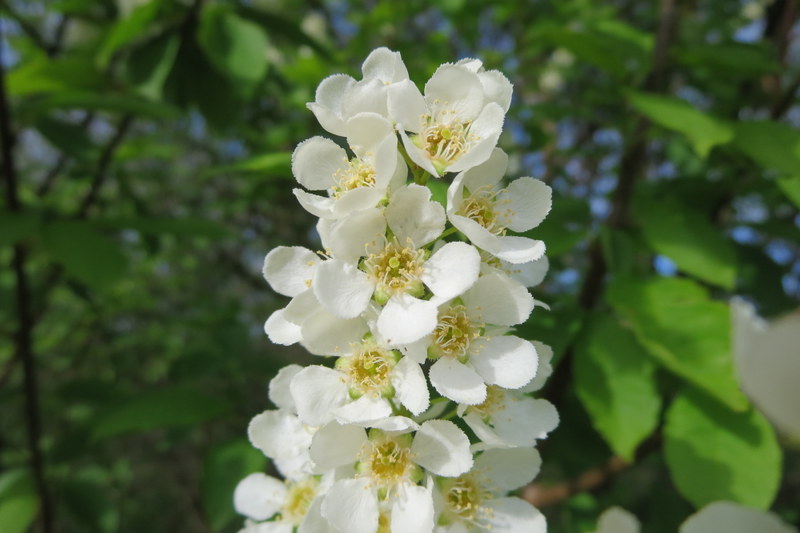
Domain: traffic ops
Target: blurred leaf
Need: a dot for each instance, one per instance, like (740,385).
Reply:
(685,331)
(187,226)
(87,500)
(44,75)
(16,227)
(87,255)
(791,187)
(115,103)
(278,25)
(615,381)
(556,327)
(621,250)
(730,59)
(276,164)
(150,64)
(18,501)
(224,467)
(177,406)
(762,280)
(703,130)
(235,46)
(565,226)
(675,229)
(716,454)
(70,138)
(127,30)
(773,145)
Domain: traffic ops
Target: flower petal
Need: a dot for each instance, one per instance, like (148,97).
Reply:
(457,381)
(412,215)
(317,391)
(327,106)
(351,505)
(406,106)
(733,518)
(336,445)
(545,369)
(506,360)
(442,448)
(316,161)
(496,87)
(485,175)
(499,300)
(347,238)
(410,386)
(455,90)
(366,132)
(530,274)
(452,269)
(529,200)
(278,434)
(412,510)
(319,206)
(487,128)
(289,269)
(512,515)
(281,331)
(325,334)
(279,392)
(363,411)
(259,496)
(343,289)
(405,319)
(618,520)
(509,469)
(384,64)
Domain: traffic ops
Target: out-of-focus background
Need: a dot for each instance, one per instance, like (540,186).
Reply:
(146,150)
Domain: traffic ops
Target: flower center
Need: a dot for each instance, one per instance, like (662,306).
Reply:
(358,174)
(298,499)
(396,269)
(495,401)
(369,370)
(387,460)
(464,496)
(481,206)
(454,333)
(444,138)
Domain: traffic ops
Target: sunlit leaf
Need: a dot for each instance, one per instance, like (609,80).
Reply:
(18,501)
(773,145)
(275,164)
(717,454)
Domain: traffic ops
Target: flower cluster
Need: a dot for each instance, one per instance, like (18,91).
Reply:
(418,417)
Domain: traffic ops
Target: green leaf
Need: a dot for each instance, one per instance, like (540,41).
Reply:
(773,145)
(88,501)
(714,453)
(91,101)
(177,406)
(438,191)
(128,30)
(16,227)
(44,75)
(18,501)
(277,25)
(615,381)
(276,164)
(556,328)
(687,332)
(701,129)
(70,138)
(150,64)
(185,227)
(730,59)
(791,188)
(87,255)
(565,226)
(224,467)
(685,235)
(235,46)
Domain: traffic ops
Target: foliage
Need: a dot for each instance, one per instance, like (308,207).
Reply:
(151,173)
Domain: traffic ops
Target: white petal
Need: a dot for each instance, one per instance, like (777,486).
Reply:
(279,392)
(336,445)
(348,238)
(319,206)
(363,411)
(367,132)
(327,106)
(457,381)
(412,510)
(314,522)
(618,520)
(417,350)
(487,128)
(529,200)
(342,288)
(278,434)
(352,506)
(485,433)
(410,386)
(417,154)
(452,269)
(497,299)
(405,319)
(259,496)
(510,248)
(278,526)
(406,105)
(317,392)
(384,64)
(315,161)
(412,215)
(509,469)
(729,517)
(441,448)
(301,306)
(545,369)
(505,360)
(357,199)
(496,87)
(487,174)
(512,515)
(540,415)
(281,331)
(325,334)
(530,274)
(368,95)
(288,269)
(396,424)
(455,88)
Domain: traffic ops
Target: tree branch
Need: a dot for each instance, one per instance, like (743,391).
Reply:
(25,319)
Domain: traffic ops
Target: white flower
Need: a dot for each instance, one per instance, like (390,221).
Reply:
(456,124)
(320,164)
(485,213)
(617,520)
(340,97)
(469,346)
(768,363)
(291,504)
(475,502)
(388,467)
(509,419)
(361,387)
(529,274)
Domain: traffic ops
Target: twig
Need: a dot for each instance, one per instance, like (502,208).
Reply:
(25,318)
(546,496)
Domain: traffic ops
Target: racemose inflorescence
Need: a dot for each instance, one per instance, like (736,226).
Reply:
(419,417)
